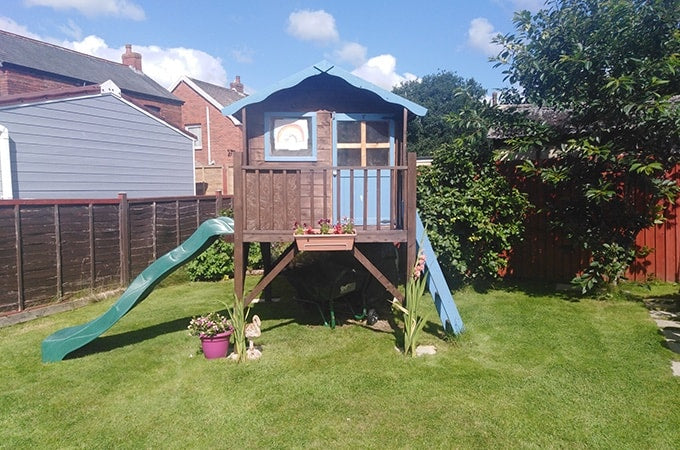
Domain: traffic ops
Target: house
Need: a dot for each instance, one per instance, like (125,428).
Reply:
(218,137)
(89,142)
(28,66)
(320,144)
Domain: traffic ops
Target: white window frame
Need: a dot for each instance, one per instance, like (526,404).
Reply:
(196,130)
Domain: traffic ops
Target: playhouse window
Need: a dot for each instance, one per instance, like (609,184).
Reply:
(363,142)
(290,137)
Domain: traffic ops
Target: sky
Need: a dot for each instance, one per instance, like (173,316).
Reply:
(263,41)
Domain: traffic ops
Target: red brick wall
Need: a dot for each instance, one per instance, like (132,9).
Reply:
(169,112)
(225,137)
(19,82)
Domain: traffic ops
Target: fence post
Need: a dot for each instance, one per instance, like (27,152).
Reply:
(20,258)
(124,231)
(219,202)
(57,242)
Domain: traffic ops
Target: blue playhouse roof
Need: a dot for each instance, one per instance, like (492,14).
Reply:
(330,69)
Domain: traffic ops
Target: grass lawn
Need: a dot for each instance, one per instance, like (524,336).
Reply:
(532,370)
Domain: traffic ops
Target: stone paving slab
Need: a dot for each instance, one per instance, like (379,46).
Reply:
(664,312)
(667,323)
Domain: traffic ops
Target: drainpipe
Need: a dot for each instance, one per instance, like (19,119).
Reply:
(207,118)
(5,165)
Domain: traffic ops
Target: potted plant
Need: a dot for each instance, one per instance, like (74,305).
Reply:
(214,331)
(325,238)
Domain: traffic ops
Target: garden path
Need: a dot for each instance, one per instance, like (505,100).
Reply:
(666,313)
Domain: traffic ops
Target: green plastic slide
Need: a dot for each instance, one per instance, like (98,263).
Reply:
(63,342)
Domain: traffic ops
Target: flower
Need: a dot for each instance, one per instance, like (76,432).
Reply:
(346,226)
(209,325)
(419,267)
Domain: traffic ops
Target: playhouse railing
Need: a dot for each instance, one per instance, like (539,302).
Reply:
(271,198)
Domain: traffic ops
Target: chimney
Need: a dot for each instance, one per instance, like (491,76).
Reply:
(132,59)
(237,85)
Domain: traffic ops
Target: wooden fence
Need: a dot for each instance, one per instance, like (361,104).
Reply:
(53,249)
(546,256)
(210,179)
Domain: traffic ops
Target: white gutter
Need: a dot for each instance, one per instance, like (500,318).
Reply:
(5,165)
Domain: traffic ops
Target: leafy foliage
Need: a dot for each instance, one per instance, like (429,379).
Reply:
(216,262)
(472,214)
(606,269)
(612,66)
(436,92)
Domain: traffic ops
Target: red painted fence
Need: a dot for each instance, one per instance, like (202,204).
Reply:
(545,256)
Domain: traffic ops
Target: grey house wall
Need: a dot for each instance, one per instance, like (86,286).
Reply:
(95,147)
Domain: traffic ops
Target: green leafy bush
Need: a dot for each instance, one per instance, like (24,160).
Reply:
(472,214)
(606,269)
(216,262)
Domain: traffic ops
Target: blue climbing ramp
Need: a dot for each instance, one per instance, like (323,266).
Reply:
(437,285)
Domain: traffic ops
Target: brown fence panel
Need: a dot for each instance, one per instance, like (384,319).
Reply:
(39,255)
(544,255)
(106,246)
(142,227)
(8,261)
(52,249)
(76,258)
(663,263)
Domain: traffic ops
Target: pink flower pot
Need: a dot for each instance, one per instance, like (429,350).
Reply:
(216,346)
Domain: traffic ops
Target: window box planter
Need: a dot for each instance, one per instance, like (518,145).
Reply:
(324,242)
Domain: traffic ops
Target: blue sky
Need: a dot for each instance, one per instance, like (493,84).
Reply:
(263,41)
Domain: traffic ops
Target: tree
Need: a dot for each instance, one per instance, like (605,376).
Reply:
(612,65)
(472,214)
(436,92)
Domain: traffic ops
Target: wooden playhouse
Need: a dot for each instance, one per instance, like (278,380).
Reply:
(324,144)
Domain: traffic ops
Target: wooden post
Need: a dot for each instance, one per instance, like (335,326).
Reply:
(124,234)
(178,225)
(57,242)
(154,230)
(219,202)
(239,265)
(410,214)
(19,258)
(266,250)
(90,229)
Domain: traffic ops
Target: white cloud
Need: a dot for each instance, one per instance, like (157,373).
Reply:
(381,70)
(243,54)
(91,8)
(11,26)
(317,26)
(166,65)
(480,33)
(163,65)
(72,30)
(352,53)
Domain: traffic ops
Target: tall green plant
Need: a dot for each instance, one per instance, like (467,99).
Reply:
(238,314)
(412,313)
